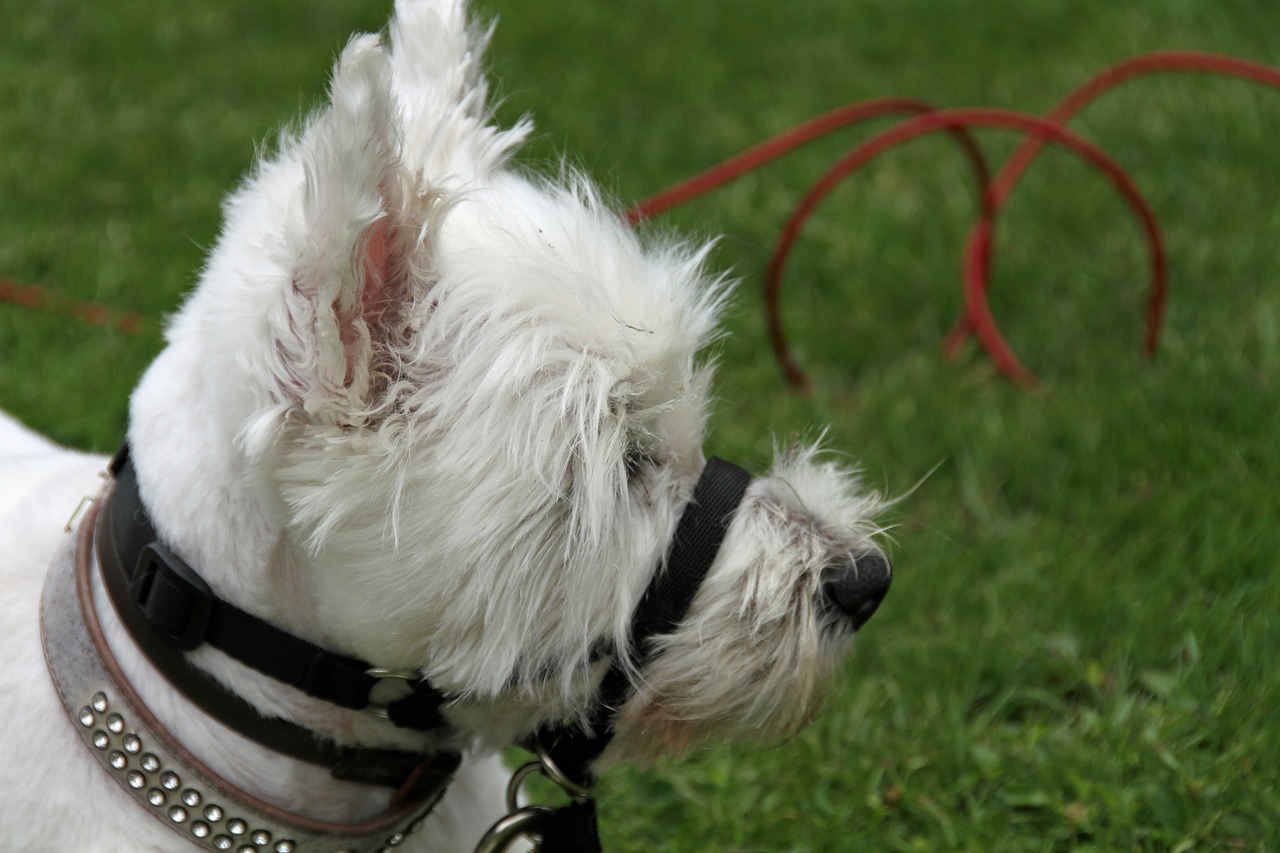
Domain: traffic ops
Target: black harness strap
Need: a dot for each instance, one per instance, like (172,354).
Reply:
(169,610)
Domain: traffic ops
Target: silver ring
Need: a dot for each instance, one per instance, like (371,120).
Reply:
(517,779)
(519,824)
(555,774)
(382,672)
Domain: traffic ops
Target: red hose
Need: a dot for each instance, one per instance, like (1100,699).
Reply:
(977,257)
(784,143)
(979,317)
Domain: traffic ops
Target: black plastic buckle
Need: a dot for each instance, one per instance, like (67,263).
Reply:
(174,600)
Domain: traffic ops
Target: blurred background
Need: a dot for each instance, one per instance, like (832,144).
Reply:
(1078,650)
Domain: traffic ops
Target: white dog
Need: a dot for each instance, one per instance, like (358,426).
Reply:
(431,418)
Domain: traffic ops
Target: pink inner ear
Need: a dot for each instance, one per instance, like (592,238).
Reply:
(375,265)
(375,286)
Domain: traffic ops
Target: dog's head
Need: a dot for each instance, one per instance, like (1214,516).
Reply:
(465,409)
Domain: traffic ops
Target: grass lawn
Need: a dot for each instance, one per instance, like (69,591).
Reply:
(1079,651)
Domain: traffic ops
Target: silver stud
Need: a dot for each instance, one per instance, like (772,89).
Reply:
(136,779)
(100,739)
(191,797)
(396,840)
(117,760)
(150,763)
(132,744)
(223,842)
(236,826)
(260,837)
(178,814)
(156,797)
(417,825)
(248,848)
(99,702)
(213,812)
(170,780)
(284,845)
(87,717)
(200,829)
(115,723)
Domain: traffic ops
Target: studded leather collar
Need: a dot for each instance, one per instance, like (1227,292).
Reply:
(148,762)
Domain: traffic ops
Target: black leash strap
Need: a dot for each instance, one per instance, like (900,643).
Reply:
(169,610)
(570,829)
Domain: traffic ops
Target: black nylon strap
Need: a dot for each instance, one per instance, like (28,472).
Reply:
(570,828)
(322,674)
(697,540)
(168,609)
(180,607)
(420,710)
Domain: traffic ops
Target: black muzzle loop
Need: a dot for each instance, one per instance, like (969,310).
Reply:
(565,753)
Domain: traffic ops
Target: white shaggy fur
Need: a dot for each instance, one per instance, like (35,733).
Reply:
(429,411)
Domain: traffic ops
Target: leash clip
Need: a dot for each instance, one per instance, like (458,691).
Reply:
(570,827)
(521,823)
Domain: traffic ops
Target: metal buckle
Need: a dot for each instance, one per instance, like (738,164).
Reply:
(379,707)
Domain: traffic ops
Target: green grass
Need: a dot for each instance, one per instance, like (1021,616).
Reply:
(1078,653)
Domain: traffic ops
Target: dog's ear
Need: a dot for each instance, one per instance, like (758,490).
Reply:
(441,90)
(355,243)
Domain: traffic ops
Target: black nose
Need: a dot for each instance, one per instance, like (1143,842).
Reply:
(856,586)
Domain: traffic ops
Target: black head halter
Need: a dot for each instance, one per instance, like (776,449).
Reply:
(566,752)
(170,610)
(697,540)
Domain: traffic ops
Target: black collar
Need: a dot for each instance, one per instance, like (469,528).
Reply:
(169,610)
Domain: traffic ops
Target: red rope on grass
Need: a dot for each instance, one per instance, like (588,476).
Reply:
(976,310)
(33,296)
(977,318)
(37,297)
(788,141)
(977,254)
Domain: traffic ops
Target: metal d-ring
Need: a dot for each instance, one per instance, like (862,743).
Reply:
(517,779)
(521,823)
(549,769)
(379,709)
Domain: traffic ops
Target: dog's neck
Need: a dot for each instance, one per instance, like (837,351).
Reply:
(232,529)
(288,783)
